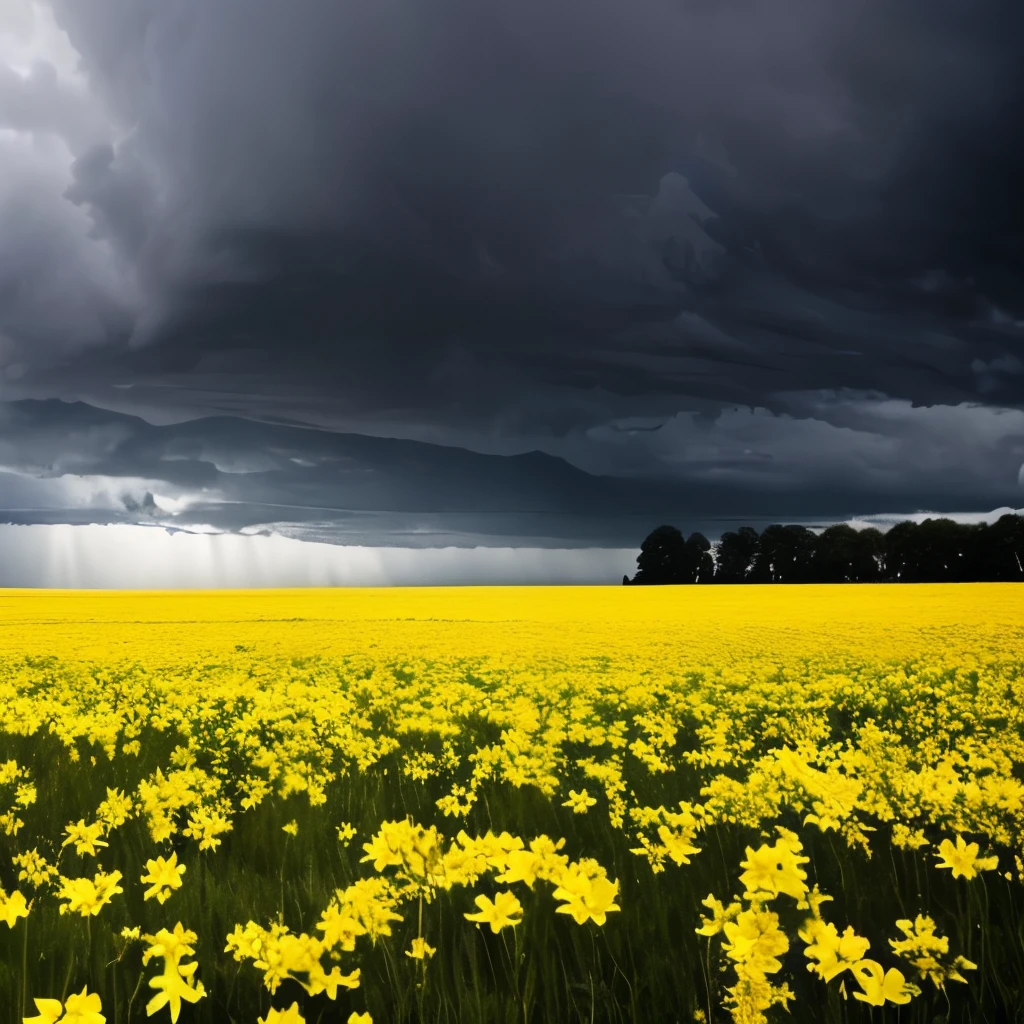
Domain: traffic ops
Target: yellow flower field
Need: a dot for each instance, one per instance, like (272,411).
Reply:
(746,804)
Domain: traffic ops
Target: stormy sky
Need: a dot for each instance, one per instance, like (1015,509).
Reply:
(526,274)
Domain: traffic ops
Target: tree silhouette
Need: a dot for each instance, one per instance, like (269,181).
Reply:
(970,540)
(837,554)
(663,558)
(901,553)
(736,553)
(1001,554)
(785,554)
(928,552)
(870,561)
(941,550)
(846,555)
(935,551)
(700,566)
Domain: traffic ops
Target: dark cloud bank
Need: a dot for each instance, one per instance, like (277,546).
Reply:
(548,273)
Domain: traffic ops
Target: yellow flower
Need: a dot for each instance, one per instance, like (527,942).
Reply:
(163,877)
(542,860)
(289,1016)
(721,914)
(776,869)
(593,901)
(813,900)
(677,844)
(173,986)
(85,837)
(359,1018)
(880,985)
(49,1011)
(498,914)
(907,838)
(345,833)
(206,825)
(34,868)
(83,1008)
(172,946)
(370,901)
(834,952)
(928,952)
(960,963)
(319,981)
(12,907)
(89,896)
(579,802)
(963,859)
(292,828)
(340,928)
(384,849)
(116,809)
(755,938)
(420,950)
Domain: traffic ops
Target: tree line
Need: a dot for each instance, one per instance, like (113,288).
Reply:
(934,551)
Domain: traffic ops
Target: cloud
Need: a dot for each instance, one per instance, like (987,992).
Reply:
(884,520)
(830,457)
(886,448)
(779,236)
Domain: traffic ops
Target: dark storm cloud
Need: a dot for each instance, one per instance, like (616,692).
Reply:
(74,463)
(759,249)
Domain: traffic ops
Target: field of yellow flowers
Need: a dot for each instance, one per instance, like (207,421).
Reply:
(513,805)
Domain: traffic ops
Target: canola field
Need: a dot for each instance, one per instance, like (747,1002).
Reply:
(513,805)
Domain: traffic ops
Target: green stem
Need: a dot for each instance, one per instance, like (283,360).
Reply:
(514,973)
(421,967)
(67,978)
(632,998)
(281,918)
(117,1002)
(522,995)
(707,977)
(128,1016)
(24,969)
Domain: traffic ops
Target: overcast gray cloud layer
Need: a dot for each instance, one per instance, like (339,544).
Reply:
(769,253)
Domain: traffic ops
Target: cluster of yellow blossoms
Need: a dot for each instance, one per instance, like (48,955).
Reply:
(80,1008)
(422,867)
(644,722)
(754,939)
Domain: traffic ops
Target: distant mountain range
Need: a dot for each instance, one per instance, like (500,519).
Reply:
(231,473)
